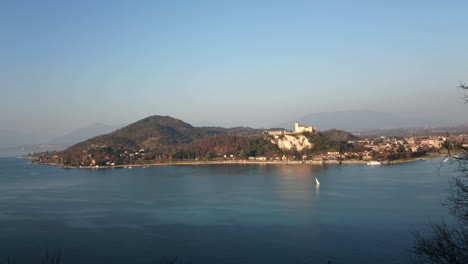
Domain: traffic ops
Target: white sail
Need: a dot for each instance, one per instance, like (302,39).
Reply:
(317,181)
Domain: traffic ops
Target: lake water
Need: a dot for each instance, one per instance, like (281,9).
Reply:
(218,213)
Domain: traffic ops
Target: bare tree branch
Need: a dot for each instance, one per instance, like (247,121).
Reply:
(464,87)
(448,243)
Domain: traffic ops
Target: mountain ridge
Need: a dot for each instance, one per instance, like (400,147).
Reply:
(83,133)
(362,120)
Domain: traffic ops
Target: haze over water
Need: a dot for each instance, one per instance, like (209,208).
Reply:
(218,214)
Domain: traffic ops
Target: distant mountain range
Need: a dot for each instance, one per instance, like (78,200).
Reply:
(12,139)
(415,131)
(13,143)
(83,133)
(362,120)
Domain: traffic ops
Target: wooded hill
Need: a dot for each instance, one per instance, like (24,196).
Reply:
(163,138)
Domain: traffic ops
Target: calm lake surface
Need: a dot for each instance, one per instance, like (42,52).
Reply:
(219,213)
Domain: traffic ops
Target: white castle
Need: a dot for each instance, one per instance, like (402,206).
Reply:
(300,129)
(297,130)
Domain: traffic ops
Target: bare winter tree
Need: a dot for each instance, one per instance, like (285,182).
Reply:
(464,87)
(448,243)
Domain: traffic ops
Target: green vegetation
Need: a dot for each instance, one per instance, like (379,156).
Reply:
(335,141)
(260,146)
(338,135)
(159,139)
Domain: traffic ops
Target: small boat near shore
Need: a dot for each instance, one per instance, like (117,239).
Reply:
(373,163)
(316,181)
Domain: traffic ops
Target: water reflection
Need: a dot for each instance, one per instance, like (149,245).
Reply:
(317,190)
(296,186)
(218,214)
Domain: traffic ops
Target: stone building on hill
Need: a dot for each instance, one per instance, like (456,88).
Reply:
(298,129)
(301,129)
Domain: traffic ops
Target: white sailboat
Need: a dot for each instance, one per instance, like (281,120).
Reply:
(316,181)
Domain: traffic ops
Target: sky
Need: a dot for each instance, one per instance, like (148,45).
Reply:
(68,64)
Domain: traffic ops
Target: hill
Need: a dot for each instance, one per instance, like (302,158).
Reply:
(338,135)
(239,131)
(159,130)
(154,132)
(164,138)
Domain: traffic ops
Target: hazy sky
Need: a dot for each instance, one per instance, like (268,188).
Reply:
(66,64)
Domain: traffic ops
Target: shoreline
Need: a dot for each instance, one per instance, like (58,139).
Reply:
(428,156)
(246,162)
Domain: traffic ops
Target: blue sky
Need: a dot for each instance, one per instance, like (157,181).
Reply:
(67,64)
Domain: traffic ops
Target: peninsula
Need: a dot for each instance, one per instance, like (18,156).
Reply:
(159,140)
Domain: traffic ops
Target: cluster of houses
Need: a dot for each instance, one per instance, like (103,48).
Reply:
(105,159)
(386,145)
(372,146)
